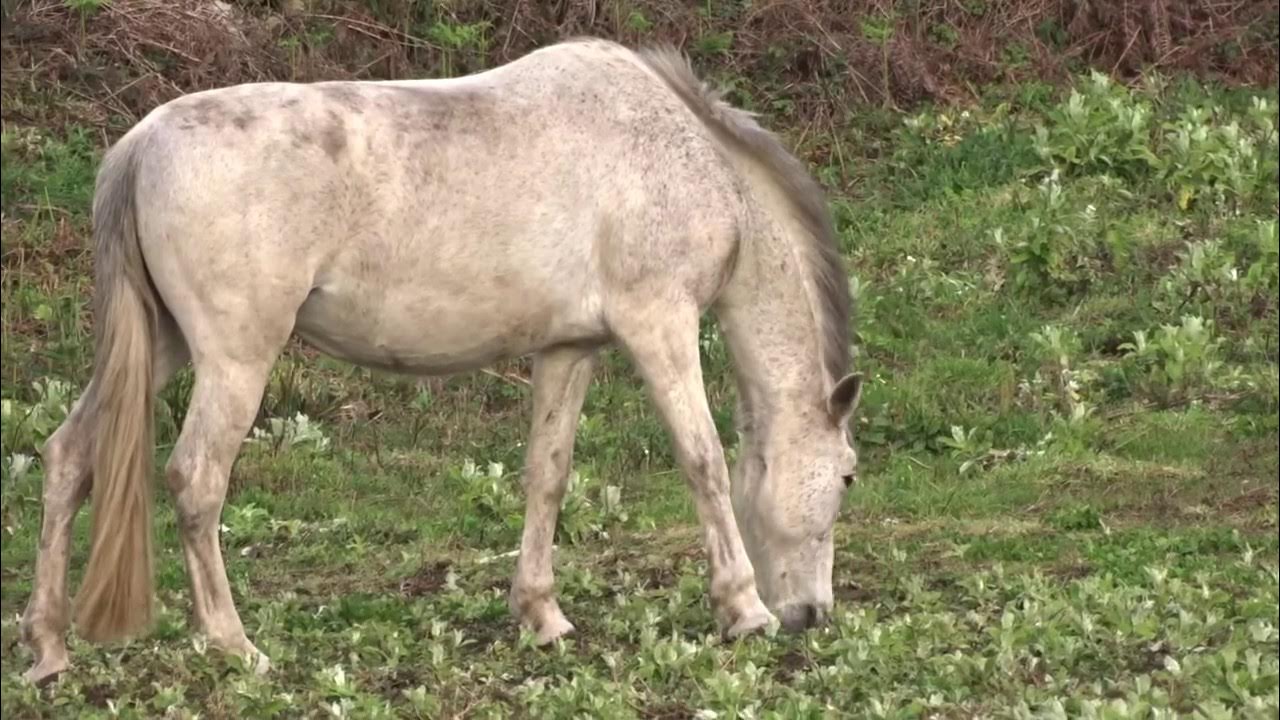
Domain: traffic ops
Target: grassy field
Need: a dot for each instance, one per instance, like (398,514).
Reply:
(1068,498)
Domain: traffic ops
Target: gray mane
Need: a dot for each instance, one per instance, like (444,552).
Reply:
(821,253)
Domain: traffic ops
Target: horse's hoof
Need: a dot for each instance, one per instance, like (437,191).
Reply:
(254,659)
(260,662)
(751,623)
(246,652)
(553,629)
(46,671)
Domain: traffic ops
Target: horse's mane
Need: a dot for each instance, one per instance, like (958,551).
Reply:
(820,250)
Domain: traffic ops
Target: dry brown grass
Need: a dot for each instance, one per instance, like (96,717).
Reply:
(111,66)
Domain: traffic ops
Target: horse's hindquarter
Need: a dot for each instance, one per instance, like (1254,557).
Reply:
(423,227)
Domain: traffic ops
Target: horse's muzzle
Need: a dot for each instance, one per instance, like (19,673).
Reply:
(802,616)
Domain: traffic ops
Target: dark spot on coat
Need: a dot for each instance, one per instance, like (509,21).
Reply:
(469,112)
(333,136)
(243,119)
(344,95)
(723,555)
(698,469)
(391,360)
(207,111)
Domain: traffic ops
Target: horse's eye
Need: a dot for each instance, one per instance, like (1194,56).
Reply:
(848,481)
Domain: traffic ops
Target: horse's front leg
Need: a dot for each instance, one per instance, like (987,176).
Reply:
(664,344)
(560,380)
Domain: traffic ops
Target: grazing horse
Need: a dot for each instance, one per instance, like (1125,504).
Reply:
(583,195)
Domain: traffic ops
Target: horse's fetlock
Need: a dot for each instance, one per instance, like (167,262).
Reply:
(48,620)
(527,594)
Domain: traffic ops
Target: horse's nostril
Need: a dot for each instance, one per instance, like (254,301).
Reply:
(800,617)
(824,617)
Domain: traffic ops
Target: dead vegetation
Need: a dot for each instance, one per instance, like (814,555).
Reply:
(105,64)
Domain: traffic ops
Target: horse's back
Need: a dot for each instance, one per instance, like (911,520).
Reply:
(438,225)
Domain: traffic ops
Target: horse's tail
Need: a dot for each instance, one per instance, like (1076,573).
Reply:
(115,599)
(738,131)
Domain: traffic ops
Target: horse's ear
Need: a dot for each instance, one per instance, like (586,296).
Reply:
(844,397)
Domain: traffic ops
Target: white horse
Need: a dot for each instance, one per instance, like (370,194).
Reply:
(583,195)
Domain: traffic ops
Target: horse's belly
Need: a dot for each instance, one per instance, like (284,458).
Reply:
(431,335)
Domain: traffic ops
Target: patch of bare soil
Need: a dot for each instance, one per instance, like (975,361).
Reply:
(428,580)
(667,711)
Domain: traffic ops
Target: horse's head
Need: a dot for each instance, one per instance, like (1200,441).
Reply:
(787,492)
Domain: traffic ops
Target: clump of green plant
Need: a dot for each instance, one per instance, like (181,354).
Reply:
(1203,154)
(1263,273)
(494,507)
(16,466)
(1076,517)
(637,22)
(712,44)
(974,449)
(28,425)
(1233,280)
(948,129)
(970,446)
(1208,154)
(1181,362)
(1206,271)
(582,517)
(1101,128)
(1056,253)
(298,433)
(880,31)
(1057,382)
(246,521)
(467,42)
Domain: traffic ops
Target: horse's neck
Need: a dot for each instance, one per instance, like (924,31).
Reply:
(767,317)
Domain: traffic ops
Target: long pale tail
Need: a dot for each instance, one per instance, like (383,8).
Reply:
(115,598)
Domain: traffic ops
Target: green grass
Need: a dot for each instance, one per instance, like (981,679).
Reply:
(1067,505)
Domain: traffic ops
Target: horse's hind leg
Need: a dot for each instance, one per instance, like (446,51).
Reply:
(67,477)
(224,403)
(67,457)
(663,342)
(560,380)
